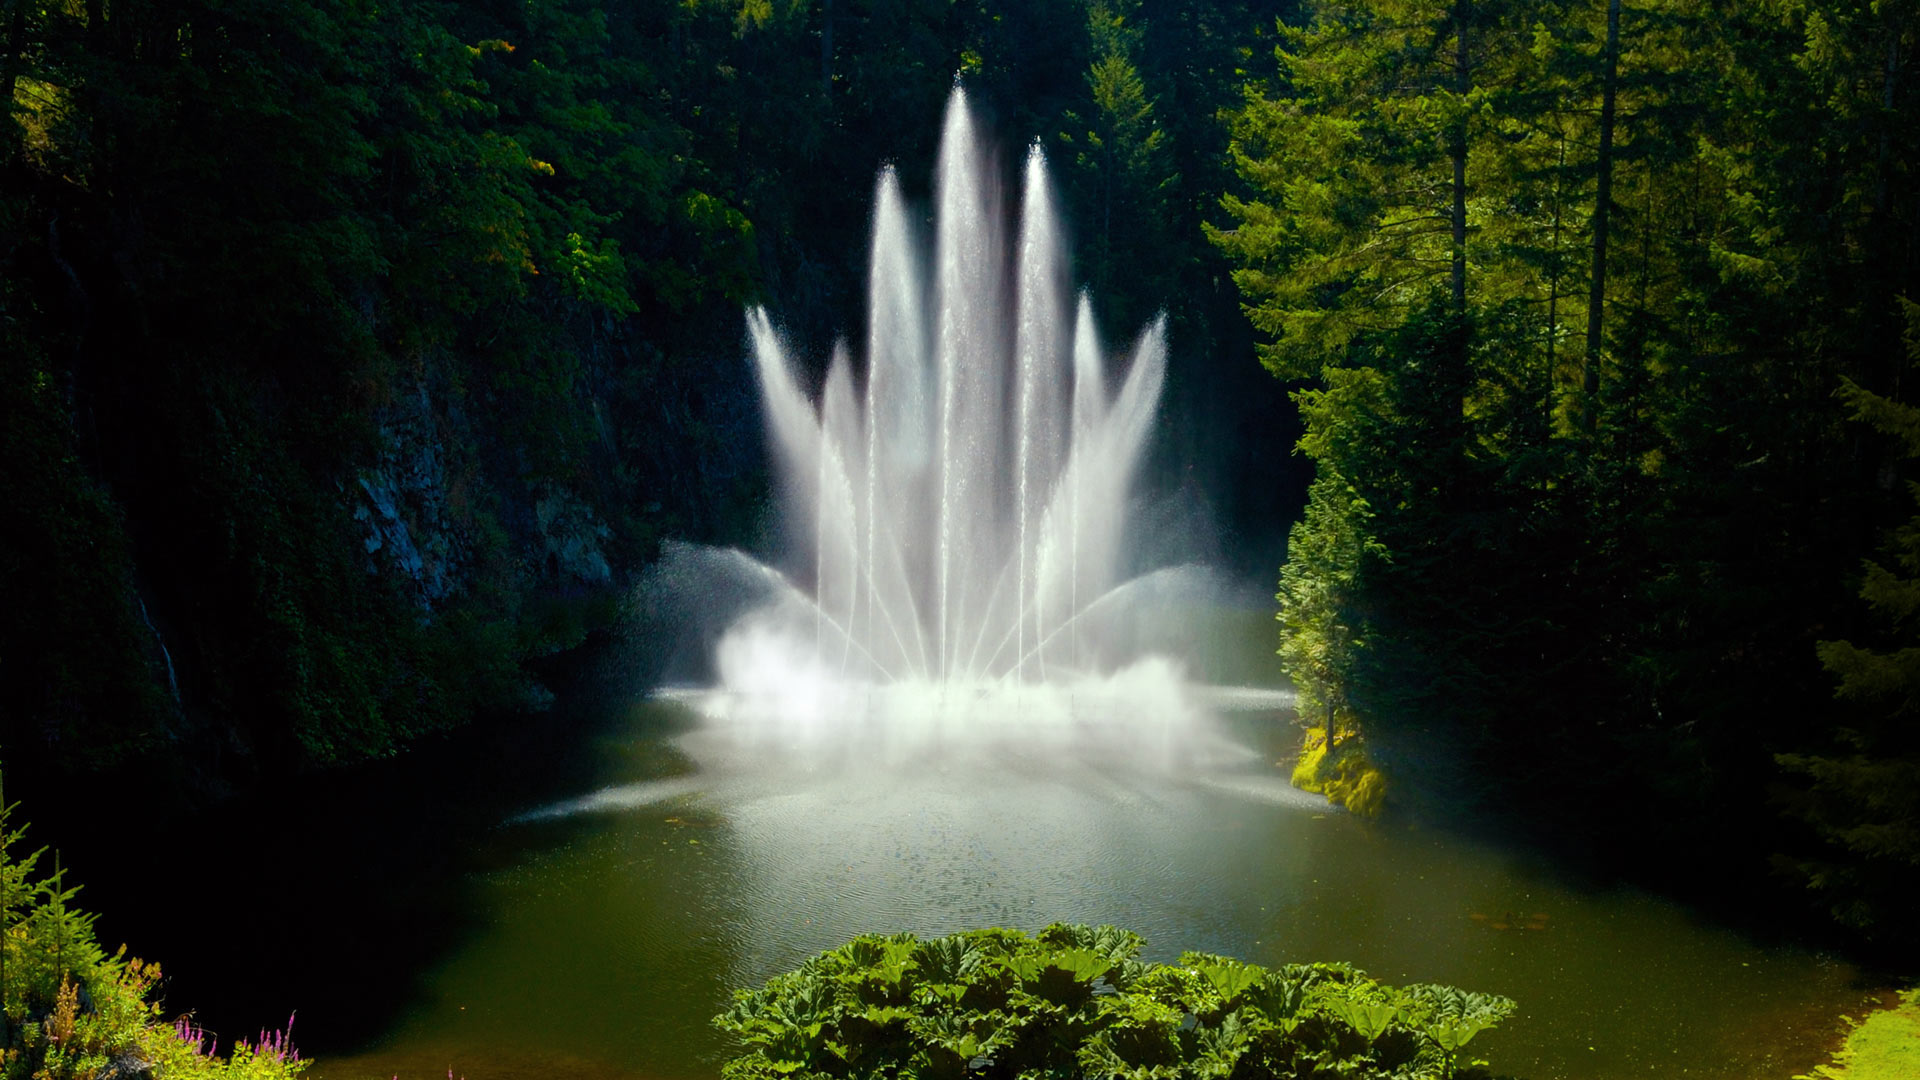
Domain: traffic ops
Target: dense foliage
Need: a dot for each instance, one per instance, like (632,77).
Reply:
(69,1011)
(354,355)
(1863,795)
(1074,1001)
(1573,290)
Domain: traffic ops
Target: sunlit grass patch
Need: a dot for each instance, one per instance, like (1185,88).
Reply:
(1884,1046)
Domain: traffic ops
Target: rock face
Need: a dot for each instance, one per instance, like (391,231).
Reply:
(410,531)
(571,538)
(429,510)
(126,1066)
(388,531)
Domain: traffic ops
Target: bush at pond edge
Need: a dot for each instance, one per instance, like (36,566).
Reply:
(1073,1001)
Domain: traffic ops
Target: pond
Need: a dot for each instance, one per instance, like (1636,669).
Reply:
(596,935)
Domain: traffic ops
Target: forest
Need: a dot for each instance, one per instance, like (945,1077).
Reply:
(1601,314)
(357,358)
(355,354)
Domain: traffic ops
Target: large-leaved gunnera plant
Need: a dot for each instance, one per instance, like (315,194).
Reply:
(1073,1001)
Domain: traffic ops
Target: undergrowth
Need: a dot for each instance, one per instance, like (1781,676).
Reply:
(70,1011)
(1072,1001)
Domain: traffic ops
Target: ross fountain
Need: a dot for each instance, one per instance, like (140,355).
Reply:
(953,706)
(958,515)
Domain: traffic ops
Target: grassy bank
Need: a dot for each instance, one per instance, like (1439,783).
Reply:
(1883,1046)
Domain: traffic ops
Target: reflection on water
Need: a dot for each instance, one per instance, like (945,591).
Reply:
(616,923)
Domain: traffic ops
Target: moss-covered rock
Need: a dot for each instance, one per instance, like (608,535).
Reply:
(1343,773)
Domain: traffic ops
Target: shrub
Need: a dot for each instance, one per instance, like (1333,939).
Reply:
(68,1011)
(1072,1001)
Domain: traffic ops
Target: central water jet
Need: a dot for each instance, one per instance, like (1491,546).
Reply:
(964,507)
(960,507)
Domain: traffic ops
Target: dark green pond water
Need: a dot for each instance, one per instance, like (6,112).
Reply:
(600,938)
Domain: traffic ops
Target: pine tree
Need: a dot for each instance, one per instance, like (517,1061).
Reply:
(1364,162)
(1862,793)
(1120,163)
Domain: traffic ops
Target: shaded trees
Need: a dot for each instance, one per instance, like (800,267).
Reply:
(329,297)
(1861,792)
(1120,171)
(353,352)
(1609,494)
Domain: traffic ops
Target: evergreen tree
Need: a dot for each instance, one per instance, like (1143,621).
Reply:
(1861,794)
(1602,489)
(1121,172)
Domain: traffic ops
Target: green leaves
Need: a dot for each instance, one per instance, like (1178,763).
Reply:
(1609,466)
(67,1009)
(1084,965)
(1120,169)
(948,960)
(595,274)
(1230,978)
(1369,1019)
(1862,792)
(1353,226)
(1452,1017)
(1071,1000)
(1885,415)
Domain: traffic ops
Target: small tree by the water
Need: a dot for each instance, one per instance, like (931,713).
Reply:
(1073,1001)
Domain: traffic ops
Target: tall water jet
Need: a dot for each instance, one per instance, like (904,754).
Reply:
(1040,349)
(958,493)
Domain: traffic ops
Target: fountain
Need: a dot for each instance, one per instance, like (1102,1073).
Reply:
(958,515)
(951,703)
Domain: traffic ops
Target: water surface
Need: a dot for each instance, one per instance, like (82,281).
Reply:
(607,927)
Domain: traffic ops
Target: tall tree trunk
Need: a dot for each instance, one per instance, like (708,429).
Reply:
(16,59)
(1553,284)
(1883,236)
(826,50)
(1103,276)
(1886,111)
(1602,204)
(1457,150)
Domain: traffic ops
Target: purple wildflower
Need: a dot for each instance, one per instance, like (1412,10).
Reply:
(202,1041)
(277,1045)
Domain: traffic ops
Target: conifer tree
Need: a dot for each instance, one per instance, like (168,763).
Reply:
(1363,159)
(1593,458)
(1121,166)
(1861,794)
